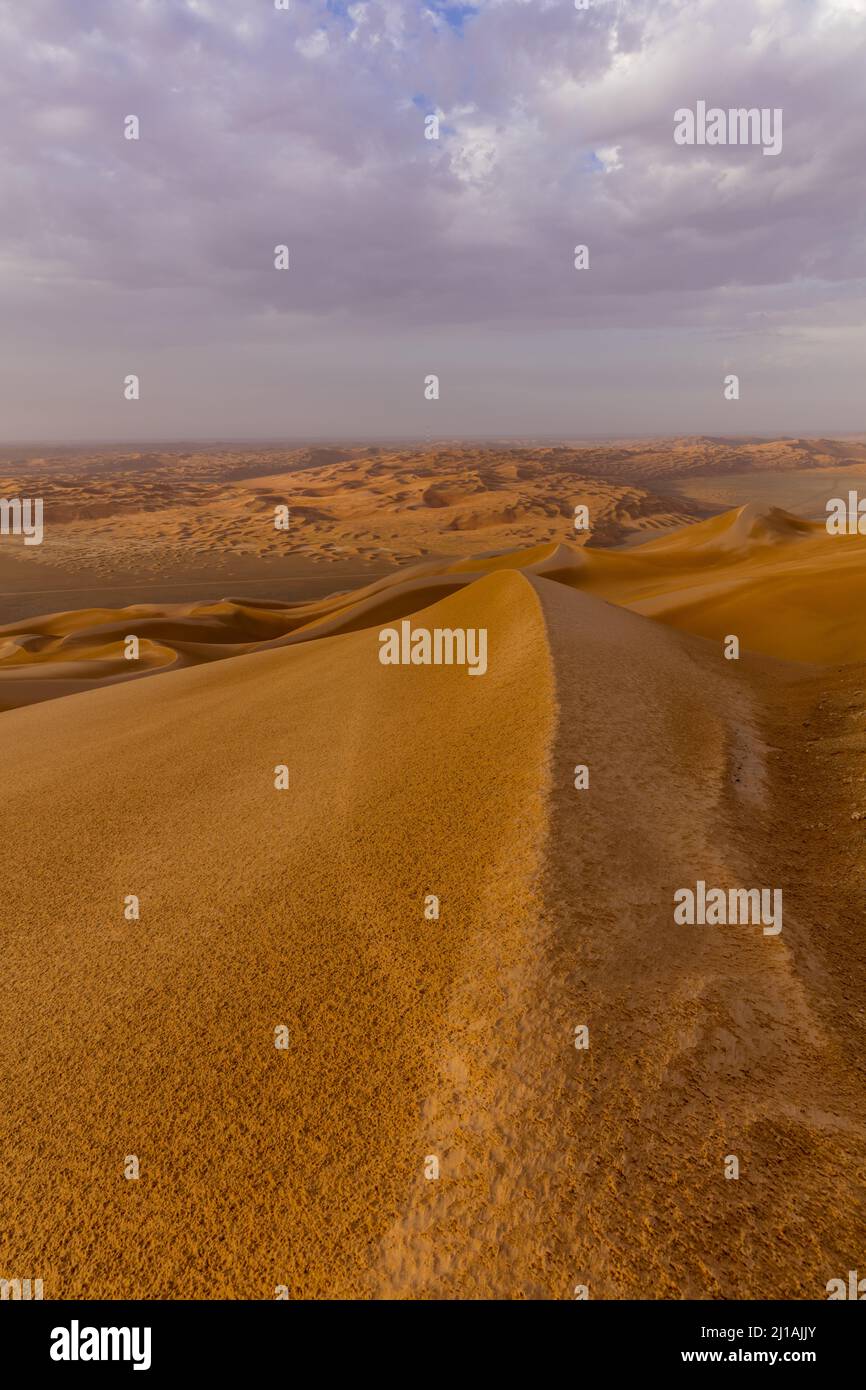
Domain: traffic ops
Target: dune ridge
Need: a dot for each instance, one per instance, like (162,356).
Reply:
(733,573)
(413,1037)
(257,907)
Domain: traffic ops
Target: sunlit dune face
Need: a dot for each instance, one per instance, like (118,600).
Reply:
(781,584)
(299,904)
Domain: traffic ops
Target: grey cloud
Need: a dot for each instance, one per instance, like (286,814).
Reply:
(256,132)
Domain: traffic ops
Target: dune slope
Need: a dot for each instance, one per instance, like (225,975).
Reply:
(412,1038)
(605,1167)
(259,1167)
(706,1041)
(782,585)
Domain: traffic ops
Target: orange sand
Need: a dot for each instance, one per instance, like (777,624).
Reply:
(451,1038)
(783,585)
(163,515)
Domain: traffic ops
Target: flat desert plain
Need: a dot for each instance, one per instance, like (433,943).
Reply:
(403,1009)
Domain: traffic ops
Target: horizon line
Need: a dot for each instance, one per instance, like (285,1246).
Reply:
(375,441)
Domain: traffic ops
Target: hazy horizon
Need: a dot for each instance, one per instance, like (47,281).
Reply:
(417,441)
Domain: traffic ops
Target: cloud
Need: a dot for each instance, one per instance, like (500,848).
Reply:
(314,45)
(260,127)
(609,157)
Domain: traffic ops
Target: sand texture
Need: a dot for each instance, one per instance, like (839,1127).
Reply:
(162,516)
(412,1038)
(782,584)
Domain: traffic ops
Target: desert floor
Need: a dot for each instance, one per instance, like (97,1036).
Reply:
(411,1038)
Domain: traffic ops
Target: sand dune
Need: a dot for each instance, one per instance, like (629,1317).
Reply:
(257,907)
(719,1042)
(735,573)
(109,515)
(451,1038)
(164,525)
(784,586)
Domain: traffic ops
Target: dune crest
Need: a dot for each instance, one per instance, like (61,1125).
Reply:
(418,1037)
(260,907)
(741,572)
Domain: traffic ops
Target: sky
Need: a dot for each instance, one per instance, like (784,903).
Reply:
(411,257)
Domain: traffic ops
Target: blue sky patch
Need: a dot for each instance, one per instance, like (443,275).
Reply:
(455,15)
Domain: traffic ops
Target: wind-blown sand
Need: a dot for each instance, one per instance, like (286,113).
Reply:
(454,1037)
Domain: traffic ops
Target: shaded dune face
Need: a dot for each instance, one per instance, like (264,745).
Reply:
(411,1037)
(781,584)
(706,1041)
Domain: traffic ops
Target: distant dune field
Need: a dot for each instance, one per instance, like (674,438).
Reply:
(162,516)
(452,1038)
(782,584)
